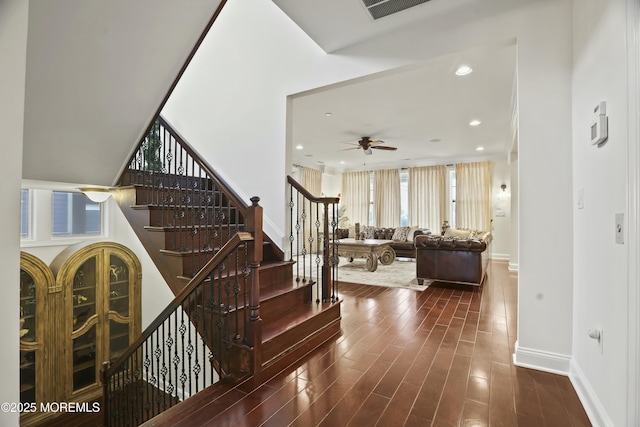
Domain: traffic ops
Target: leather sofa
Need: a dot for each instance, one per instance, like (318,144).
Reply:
(405,248)
(453,259)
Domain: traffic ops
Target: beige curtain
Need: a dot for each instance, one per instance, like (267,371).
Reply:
(356,196)
(428,196)
(473,195)
(386,195)
(311,180)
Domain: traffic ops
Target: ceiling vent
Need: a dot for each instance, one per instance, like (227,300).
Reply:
(381,8)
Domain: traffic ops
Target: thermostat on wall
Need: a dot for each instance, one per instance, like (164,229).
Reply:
(599,124)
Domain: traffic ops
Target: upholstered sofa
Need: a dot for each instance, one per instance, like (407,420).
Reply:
(403,246)
(453,259)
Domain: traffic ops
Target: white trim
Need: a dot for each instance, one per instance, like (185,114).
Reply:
(500,257)
(547,361)
(588,397)
(513,267)
(633,200)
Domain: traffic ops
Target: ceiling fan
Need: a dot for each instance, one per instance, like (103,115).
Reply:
(366,144)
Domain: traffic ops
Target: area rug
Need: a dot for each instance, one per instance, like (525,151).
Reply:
(399,274)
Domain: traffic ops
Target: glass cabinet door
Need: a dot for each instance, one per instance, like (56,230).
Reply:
(84,322)
(28,337)
(119,307)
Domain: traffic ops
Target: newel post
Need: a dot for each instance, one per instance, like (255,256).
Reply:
(254,330)
(325,254)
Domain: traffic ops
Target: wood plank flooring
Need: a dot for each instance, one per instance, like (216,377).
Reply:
(441,357)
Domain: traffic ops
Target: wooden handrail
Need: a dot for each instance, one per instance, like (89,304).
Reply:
(324,200)
(225,251)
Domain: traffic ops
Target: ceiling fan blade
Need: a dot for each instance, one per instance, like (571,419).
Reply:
(382,147)
(350,143)
(347,149)
(372,143)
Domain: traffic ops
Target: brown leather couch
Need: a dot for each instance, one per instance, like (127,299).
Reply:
(405,249)
(453,259)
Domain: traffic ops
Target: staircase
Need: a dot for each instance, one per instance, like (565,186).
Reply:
(247,313)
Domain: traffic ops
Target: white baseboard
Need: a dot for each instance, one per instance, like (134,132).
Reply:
(513,267)
(499,257)
(589,399)
(547,361)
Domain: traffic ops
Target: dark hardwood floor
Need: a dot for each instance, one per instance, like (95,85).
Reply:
(441,357)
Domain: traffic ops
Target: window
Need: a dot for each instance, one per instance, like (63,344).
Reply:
(371,199)
(24,214)
(404,198)
(74,214)
(452,198)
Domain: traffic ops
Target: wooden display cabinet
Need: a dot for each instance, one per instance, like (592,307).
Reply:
(37,292)
(101,287)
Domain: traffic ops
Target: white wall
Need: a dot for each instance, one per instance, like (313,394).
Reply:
(601,173)
(501,210)
(13,51)
(514,237)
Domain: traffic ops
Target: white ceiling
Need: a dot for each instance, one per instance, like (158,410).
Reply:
(409,108)
(96,73)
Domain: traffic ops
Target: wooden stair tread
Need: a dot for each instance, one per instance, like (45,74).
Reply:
(280,288)
(295,316)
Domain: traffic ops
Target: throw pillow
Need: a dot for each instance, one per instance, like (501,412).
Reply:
(400,234)
(411,232)
(369,231)
(460,234)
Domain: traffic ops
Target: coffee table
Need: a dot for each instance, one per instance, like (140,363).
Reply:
(373,250)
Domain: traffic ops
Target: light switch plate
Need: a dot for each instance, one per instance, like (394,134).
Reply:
(620,228)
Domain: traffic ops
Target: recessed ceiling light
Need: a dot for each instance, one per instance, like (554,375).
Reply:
(327,114)
(435,140)
(308,155)
(299,147)
(342,163)
(463,70)
(474,122)
(479,148)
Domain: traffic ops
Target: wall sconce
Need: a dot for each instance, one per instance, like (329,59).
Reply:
(96,194)
(503,195)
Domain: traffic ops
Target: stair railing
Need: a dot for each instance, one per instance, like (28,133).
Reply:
(313,226)
(206,333)
(189,198)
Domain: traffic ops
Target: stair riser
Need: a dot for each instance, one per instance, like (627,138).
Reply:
(288,340)
(178,216)
(140,178)
(270,310)
(198,238)
(171,196)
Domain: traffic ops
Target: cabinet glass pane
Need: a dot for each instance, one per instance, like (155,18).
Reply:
(84,293)
(118,339)
(118,286)
(27,334)
(27,376)
(84,359)
(27,307)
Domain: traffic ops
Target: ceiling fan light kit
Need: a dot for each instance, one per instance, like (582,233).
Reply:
(366,144)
